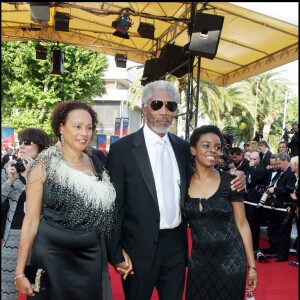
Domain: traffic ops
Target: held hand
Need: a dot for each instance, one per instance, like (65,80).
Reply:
(238,183)
(124,268)
(23,286)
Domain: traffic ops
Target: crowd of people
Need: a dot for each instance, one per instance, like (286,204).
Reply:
(71,211)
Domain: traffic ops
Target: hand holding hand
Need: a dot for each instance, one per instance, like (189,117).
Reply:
(124,268)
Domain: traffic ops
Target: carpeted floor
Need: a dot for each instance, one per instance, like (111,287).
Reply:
(277,281)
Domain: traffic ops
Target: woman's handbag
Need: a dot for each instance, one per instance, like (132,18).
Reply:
(38,278)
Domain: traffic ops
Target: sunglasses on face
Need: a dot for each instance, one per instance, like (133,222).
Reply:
(26,143)
(158,104)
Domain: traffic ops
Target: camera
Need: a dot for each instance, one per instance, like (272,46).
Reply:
(286,133)
(258,136)
(19,165)
(260,188)
(260,256)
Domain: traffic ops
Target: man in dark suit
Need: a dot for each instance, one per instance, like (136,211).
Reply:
(240,162)
(281,193)
(8,156)
(294,143)
(265,153)
(145,236)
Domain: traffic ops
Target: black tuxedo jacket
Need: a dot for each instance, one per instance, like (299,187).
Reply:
(257,176)
(130,171)
(265,158)
(282,192)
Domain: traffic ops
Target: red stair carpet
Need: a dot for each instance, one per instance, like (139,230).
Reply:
(277,281)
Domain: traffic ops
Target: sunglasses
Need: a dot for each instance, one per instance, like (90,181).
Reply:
(26,143)
(157,104)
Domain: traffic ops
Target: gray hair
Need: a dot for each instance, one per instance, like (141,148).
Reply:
(283,156)
(295,161)
(159,85)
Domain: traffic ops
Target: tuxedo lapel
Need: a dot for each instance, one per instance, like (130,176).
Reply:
(140,153)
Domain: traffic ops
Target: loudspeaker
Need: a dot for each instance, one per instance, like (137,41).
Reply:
(57,62)
(146,30)
(176,60)
(153,70)
(206,35)
(121,60)
(40,12)
(62,21)
(40,52)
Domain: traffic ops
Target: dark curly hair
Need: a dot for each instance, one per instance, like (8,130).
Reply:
(61,110)
(195,137)
(39,136)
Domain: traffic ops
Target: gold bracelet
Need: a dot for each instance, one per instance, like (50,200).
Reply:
(252,267)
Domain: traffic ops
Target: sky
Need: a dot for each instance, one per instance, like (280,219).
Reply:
(287,12)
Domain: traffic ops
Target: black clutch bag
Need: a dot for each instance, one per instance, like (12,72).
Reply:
(38,278)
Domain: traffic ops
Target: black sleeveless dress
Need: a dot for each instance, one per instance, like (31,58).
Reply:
(217,265)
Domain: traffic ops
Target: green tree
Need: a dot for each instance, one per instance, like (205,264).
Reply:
(29,91)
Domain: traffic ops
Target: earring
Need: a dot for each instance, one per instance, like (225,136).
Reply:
(62,140)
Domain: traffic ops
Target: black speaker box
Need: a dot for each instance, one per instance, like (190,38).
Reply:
(62,21)
(176,60)
(153,70)
(57,62)
(206,35)
(121,60)
(146,30)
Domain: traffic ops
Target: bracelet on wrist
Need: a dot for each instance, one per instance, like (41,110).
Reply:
(20,276)
(252,267)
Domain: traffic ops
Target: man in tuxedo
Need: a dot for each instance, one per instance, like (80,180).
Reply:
(265,153)
(8,156)
(146,234)
(294,143)
(240,162)
(281,192)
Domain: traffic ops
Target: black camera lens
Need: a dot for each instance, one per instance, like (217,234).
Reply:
(19,165)
(260,257)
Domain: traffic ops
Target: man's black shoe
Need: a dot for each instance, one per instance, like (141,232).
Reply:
(294,263)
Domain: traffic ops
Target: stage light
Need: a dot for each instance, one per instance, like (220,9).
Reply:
(146,30)
(40,52)
(40,12)
(57,62)
(122,24)
(121,60)
(62,21)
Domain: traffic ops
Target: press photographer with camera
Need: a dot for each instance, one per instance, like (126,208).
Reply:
(280,193)
(32,141)
(256,176)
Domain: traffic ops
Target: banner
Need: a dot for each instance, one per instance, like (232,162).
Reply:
(118,126)
(125,126)
(7,137)
(101,142)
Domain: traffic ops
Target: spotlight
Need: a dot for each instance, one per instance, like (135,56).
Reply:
(122,23)
(40,52)
(146,30)
(40,12)
(62,21)
(57,62)
(121,60)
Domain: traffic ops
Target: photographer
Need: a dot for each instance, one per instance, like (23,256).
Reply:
(256,176)
(295,197)
(13,181)
(281,199)
(294,143)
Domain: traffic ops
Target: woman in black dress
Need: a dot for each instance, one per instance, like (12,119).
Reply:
(222,245)
(77,200)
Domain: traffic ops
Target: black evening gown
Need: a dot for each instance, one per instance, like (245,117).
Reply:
(217,265)
(77,214)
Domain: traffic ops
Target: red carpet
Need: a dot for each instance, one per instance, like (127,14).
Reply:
(277,281)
